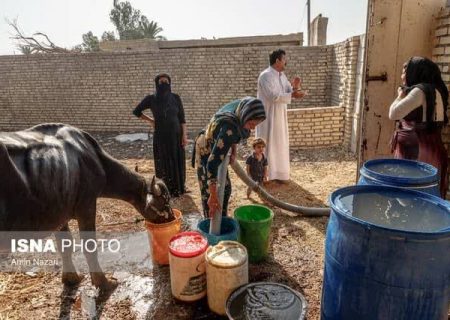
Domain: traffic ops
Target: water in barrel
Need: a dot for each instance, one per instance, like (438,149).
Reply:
(399,170)
(396,211)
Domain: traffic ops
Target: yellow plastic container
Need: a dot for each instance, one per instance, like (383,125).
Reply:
(226,270)
(159,236)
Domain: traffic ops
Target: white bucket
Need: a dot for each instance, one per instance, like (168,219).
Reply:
(187,266)
(226,269)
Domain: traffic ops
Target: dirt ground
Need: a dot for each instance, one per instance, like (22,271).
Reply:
(296,249)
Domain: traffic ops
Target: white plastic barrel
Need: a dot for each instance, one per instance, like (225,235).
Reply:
(226,269)
(187,266)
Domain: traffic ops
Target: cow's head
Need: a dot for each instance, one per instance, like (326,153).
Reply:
(157,205)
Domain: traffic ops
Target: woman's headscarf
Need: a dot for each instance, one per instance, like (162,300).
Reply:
(237,113)
(163,89)
(424,74)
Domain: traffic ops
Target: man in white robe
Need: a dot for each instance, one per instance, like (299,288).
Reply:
(276,93)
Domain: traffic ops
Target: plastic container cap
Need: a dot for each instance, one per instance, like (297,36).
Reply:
(227,254)
(188,244)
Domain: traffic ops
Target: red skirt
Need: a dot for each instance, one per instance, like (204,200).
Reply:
(423,145)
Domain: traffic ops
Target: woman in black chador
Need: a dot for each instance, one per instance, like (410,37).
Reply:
(170,136)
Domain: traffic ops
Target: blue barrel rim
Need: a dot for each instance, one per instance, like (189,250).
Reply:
(430,180)
(345,214)
(271,213)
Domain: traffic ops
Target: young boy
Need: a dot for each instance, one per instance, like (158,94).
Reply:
(257,163)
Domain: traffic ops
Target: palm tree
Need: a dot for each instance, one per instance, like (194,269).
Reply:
(150,29)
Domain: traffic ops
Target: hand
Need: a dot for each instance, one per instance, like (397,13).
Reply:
(232,158)
(151,123)
(401,93)
(213,204)
(299,94)
(184,141)
(296,83)
(233,153)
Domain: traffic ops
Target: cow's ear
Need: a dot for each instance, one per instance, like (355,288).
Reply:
(154,187)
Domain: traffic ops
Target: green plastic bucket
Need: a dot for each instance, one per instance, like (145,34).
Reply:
(254,224)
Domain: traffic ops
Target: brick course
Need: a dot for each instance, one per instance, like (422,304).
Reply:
(315,127)
(97,91)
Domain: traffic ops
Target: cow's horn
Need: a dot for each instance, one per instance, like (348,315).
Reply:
(156,190)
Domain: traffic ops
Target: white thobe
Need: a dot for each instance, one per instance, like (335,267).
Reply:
(274,90)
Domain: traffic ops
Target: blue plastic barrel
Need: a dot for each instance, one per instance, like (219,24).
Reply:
(387,255)
(229,230)
(401,173)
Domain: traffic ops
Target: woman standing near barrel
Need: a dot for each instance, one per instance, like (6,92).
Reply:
(420,111)
(228,126)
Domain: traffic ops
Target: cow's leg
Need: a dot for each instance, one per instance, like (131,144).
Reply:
(69,273)
(86,223)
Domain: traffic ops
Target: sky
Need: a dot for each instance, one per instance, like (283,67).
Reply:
(64,21)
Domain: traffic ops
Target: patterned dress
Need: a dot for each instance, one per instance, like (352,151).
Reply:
(227,127)
(210,156)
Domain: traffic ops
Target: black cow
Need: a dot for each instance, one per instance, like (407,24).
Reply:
(52,173)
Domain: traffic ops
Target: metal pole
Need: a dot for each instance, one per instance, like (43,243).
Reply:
(216,219)
(308,3)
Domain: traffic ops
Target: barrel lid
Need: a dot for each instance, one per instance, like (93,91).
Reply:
(266,300)
(400,172)
(227,254)
(392,208)
(188,244)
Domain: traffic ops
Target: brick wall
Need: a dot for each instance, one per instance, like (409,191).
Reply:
(343,82)
(97,91)
(315,127)
(441,55)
